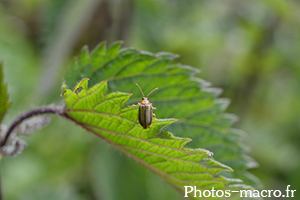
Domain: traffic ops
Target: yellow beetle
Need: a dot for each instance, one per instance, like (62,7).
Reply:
(145,110)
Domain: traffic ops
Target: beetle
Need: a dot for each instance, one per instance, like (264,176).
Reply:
(145,110)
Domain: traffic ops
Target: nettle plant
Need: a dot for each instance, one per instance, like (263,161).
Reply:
(186,108)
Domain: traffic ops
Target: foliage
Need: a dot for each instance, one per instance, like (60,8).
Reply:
(4,104)
(180,95)
(249,48)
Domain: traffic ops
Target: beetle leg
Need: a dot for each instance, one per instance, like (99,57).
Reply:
(154,116)
(136,105)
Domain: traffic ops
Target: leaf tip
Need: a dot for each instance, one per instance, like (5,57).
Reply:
(118,43)
(230,169)
(83,83)
(64,88)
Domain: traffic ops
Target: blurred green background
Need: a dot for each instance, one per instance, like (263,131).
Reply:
(251,49)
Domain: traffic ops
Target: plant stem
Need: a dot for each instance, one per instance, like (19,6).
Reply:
(36,111)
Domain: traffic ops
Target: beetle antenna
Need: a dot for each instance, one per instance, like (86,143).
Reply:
(140,89)
(152,91)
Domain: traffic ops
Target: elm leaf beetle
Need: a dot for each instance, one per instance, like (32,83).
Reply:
(145,110)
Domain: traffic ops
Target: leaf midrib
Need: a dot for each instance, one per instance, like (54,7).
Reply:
(158,171)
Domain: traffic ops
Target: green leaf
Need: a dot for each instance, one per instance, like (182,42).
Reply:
(155,148)
(4,104)
(181,95)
